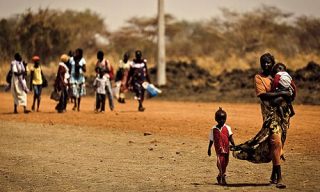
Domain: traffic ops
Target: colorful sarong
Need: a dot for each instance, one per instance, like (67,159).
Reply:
(258,149)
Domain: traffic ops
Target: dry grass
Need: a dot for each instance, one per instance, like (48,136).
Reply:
(250,60)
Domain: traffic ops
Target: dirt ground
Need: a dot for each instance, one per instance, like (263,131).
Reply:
(84,151)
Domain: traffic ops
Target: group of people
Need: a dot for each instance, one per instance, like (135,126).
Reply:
(70,82)
(276,91)
(274,87)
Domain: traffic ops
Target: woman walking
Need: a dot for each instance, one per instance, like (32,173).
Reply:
(61,83)
(19,87)
(267,145)
(77,79)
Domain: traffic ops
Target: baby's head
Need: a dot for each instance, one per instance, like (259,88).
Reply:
(220,117)
(278,67)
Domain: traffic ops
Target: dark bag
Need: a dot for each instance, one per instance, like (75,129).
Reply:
(55,95)
(44,80)
(9,77)
(119,74)
(44,83)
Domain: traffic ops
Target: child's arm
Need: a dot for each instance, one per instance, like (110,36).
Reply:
(231,140)
(209,148)
(275,82)
(95,84)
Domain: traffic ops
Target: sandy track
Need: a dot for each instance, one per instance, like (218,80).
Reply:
(84,151)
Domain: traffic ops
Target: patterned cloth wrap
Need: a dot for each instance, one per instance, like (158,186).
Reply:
(257,149)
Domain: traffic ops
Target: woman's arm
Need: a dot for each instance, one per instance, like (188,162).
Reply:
(271,95)
(84,68)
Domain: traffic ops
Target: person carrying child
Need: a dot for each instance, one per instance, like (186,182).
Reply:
(221,135)
(104,66)
(37,82)
(138,74)
(282,81)
(267,145)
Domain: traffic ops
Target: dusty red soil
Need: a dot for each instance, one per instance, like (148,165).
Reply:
(84,151)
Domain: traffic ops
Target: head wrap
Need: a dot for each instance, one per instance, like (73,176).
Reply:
(35,58)
(64,58)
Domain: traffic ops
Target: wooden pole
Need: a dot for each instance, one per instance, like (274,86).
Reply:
(161,60)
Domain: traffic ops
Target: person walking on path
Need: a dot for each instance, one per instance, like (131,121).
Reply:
(19,87)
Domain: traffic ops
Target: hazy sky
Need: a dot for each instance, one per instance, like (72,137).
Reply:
(116,12)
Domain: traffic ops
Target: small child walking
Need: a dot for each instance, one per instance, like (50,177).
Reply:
(220,135)
(100,84)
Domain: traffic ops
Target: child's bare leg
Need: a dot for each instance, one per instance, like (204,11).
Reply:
(292,113)
(79,100)
(38,103)
(219,168)
(15,110)
(224,164)
(74,103)
(34,101)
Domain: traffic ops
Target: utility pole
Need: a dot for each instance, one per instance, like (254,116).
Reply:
(161,65)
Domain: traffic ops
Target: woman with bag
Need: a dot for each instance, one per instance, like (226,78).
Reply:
(37,82)
(61,84)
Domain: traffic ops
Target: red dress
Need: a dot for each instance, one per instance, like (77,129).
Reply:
(220,138)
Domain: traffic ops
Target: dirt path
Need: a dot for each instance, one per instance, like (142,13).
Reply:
(84,151)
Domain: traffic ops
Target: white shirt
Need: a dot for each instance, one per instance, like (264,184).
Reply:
(81,78)
(100,84)
(215,127)
(67,74)
(285,79)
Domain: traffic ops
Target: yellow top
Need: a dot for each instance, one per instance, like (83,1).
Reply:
(37,78)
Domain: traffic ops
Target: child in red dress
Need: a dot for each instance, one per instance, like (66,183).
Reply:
(220,135)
